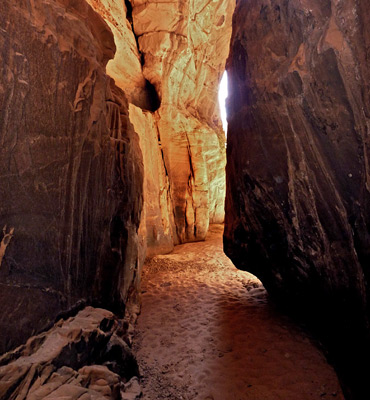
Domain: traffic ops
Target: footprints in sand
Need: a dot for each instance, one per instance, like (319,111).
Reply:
(207,332)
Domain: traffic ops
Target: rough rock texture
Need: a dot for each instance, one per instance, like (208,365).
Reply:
(298,191)
(71,168)
(125,67)
(181,47)
(157,219)
(184,47)
(80,358)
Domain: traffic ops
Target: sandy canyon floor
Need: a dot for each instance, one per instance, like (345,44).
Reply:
(207,331)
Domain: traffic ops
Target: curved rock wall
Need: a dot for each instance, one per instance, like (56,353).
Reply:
(184,47)
(70,165)
(180,53)
(298,182)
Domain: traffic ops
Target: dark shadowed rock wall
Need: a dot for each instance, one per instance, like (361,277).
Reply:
(298,181)
(70,168)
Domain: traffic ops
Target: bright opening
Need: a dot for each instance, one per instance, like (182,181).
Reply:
(222,96)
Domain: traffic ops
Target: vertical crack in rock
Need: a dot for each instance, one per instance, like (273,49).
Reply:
(191,189)
(177,54)
(131,22)
(167,188)
(129,13)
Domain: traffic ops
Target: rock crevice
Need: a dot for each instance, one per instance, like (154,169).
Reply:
(181,51)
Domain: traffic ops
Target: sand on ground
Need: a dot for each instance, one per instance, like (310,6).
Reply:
(207,331)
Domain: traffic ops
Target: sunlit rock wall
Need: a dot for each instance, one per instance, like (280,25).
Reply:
(71,170)
(297,205)
(181,48)
(157,219)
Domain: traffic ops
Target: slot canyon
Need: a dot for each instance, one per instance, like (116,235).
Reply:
(130,226)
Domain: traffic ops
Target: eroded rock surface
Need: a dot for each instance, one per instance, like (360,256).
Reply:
(125,67)
(184,47)
(180,53)
(297,206)
(70,165)
(80,358)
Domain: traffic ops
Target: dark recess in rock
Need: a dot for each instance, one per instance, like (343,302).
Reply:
(152,101)
(129,11)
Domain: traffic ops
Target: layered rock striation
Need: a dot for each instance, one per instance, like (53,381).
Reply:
(298,182)
(70,165)
(110,143)
(184,47)
(81,357)
(180,53)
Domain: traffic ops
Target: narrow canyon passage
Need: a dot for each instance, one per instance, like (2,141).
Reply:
(207,331)
(112,151)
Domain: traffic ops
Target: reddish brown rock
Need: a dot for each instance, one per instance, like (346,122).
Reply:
(184,47)
(125,68)
(70,167)
(72,360)
(297,205)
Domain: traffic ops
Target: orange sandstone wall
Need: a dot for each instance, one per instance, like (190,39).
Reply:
(175,53)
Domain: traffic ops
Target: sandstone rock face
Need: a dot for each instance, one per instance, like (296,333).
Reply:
(71,168)
(125,67)
(80,358)
(157,219)
(182,47)
(298,192)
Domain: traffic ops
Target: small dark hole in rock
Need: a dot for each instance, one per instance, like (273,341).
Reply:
(106,325)
(153,101)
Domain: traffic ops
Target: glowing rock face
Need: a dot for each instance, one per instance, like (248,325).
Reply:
(182,49)
(125,68)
